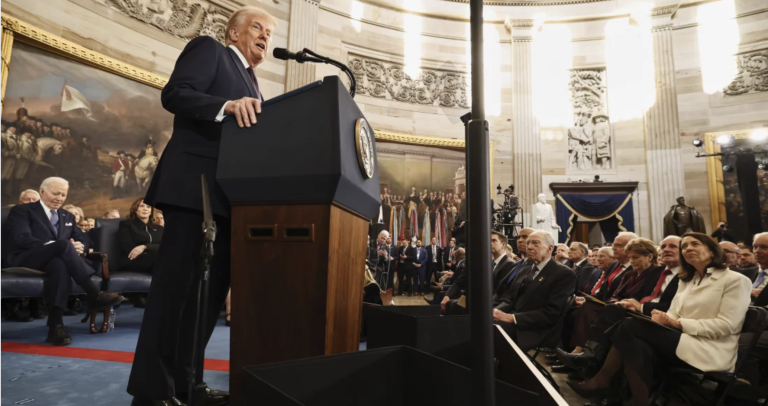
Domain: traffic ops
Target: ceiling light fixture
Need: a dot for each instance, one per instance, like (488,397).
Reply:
(759,134)
(698,143)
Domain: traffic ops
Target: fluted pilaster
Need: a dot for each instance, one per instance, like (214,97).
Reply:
(526,143)
(302,33)
(666,179)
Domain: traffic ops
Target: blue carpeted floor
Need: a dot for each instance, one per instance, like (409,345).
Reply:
(48,380)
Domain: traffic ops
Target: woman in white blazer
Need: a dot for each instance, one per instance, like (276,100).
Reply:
(705,318)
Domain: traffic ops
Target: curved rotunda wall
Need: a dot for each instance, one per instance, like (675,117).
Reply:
(653,149)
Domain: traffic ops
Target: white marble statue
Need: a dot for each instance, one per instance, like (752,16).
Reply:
(545,217)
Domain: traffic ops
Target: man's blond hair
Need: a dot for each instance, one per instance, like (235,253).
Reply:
(238,16)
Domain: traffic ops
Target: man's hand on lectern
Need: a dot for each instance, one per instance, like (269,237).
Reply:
(244,110)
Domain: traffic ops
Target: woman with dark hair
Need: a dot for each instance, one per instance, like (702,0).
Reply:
(139,239)
(704,322)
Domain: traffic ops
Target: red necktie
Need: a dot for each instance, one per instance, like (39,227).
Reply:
(602,279)
(657,289)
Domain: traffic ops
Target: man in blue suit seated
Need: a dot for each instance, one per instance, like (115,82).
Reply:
(45,237)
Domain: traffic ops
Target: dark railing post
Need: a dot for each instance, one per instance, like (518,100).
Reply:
(479,224)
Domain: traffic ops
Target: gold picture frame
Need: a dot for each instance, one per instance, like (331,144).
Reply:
(715,174)
(14,29)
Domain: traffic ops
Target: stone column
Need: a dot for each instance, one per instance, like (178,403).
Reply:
(662,135)
(302,33)
(526,143)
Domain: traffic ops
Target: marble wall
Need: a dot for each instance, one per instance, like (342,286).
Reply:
(348,29)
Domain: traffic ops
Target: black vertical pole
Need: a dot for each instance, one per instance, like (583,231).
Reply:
(479,225)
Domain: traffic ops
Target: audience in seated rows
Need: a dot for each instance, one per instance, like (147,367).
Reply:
(586,274)
(458,287)
(664,288)
(46,238)
(112,214)
(704,320)
(139,239)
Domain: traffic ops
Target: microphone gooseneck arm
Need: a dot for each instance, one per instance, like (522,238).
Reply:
(307,55)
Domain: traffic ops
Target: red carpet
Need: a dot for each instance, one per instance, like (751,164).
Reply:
(93,354)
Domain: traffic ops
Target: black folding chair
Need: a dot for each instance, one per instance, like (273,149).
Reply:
(551,333)
(755,323)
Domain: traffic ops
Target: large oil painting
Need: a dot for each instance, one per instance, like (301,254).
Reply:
(734,205)
(421,187)
(102,132)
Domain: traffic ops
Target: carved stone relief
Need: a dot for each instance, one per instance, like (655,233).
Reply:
(185,19)
(752,74)
(590,139)
(388,81)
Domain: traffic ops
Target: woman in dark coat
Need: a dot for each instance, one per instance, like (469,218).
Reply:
(139,239)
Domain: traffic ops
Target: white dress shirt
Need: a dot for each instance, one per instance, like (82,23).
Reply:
(46,209)
(578,264)
(221,116)
(497,260)
(664,284)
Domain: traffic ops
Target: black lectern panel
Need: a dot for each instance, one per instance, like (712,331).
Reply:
(302,150)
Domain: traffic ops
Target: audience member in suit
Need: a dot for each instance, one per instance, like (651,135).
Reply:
(449,264)
(408,256)
(603,290)
(459,284)
(209,83)
(747,263)
(561,255)
(665,284)
(732,254)
(460,224)
(604,261)
(45,238)
(501,264)
(540,300)
(393,255)
(760,251)
(586,274)
(705,321)
(383,257)
(401,265)
(434,262)
(419,285)
(139,239)
(505,288)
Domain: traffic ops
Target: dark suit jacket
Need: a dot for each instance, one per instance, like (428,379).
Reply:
(446,258)
(605,292)
(504,291)
(439,256)
(539,308)
(750,272)
(422,258)
(502,270)
(134,232)
(460,281)
(586,275)
(30,228)
(410,257)
(207,75)
(666,295)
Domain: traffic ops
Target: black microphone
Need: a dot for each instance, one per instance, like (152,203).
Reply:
(307,55)
(300,57)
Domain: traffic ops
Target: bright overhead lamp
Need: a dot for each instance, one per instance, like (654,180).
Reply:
(724,140)
(759,134)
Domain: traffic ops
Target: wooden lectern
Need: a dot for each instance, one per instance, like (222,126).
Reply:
(301,203)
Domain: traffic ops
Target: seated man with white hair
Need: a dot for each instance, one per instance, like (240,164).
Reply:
(46,238)
(540,297)
(29,196)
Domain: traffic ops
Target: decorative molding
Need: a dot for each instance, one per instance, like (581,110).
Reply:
(35,36)
(509,24)
(387,80)
(590,140)
(752,76)
(401,152)
(185,19)
(531,2)
(664,10)
(387,136)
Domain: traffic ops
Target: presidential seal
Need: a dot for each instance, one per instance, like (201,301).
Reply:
(364,137)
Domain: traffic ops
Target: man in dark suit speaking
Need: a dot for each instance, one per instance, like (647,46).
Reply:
(208,83)
(45,237)
(540,297)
